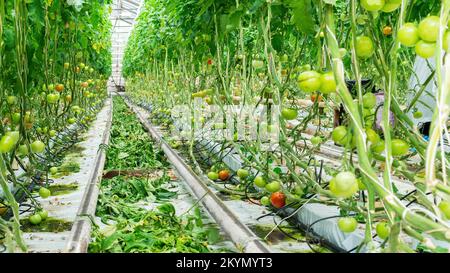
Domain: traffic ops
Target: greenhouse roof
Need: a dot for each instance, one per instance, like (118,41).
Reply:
(124,13)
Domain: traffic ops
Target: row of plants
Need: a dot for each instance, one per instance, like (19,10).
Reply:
(54,63)
(141,180)
(314,59)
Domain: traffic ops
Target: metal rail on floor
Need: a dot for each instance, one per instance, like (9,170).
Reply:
(80,234)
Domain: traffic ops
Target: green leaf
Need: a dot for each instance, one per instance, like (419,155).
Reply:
(213,235)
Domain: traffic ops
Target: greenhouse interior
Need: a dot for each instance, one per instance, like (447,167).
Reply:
(224,126)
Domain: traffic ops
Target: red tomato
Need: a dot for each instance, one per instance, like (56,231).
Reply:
(278,199)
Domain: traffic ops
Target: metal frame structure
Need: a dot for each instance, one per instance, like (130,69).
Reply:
(123,18)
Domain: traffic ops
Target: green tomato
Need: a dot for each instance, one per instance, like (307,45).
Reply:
(23,150)
(408,35)
(446,42)
(260,182)
(369,100)
(372,5)
(265,201)
(316,140)
(328,83)
(53,170)
(378,147)
(425,50)
(383,230)
(391,5)
(444,207)
(52,133)
(344,185)
(418,114)
(213,176)
(429,29)
(7,144)
(11,100)
(340,135)
(52,98)
(15,135)
(44,192)
(399,147)
(289,113)
(364,47)
(16,117)
(43,214)
(37,147)
(257,64)
(372,136)
(347,224)
(35,219)
(71,120)
(242,174)
(273,186)
(309,81)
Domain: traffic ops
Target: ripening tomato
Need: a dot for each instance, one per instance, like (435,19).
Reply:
(387,31)
(259,181)
(364,47)
(315,97)
(429,29)
(224,175)
(59,88)
(278,199)
(37,147)
(391,5)
(372,5)
(408,35)
(289,113)
(84,84)
(425,50)
(340,135)
(273,186)
(66,65)
(328,83)
(309,81)
(347,224)
(383,230)
(344,185)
